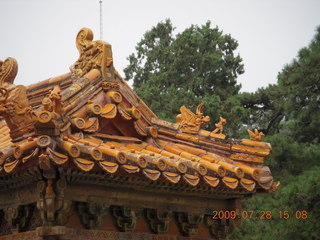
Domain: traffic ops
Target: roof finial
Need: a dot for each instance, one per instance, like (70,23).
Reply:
(101,32)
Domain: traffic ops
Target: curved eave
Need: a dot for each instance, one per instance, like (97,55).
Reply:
(155,164)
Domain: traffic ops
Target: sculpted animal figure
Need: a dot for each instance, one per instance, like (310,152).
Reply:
(189,122)
(53,103)
(256,135)
(219,126)
(14,104)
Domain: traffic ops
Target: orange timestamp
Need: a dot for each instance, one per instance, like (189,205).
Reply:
(246,214)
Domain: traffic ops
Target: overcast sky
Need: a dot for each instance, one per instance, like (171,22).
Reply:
(40,34)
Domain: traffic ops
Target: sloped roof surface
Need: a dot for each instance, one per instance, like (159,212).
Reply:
(90,119)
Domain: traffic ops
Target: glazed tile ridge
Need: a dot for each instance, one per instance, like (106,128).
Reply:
(92,121)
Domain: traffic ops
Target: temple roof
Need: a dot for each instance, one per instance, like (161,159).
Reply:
(91,120)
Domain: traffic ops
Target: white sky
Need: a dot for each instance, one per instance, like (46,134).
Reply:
(40,34)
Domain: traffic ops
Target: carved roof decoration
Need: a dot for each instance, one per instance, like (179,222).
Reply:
(92,121)
(93,54)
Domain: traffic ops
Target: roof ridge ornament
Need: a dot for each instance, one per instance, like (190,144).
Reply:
(189,122)
(256,135)
(79,126)
(218,131)
(14,104)
(93,54)
(8,71)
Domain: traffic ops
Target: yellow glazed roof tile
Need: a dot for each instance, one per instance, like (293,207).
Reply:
(91,120)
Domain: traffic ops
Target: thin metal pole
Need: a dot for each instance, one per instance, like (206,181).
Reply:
(101,27)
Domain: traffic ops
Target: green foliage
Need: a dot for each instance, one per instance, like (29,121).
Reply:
(292,106)
(299,194)
(297,167)
(301,79)
(290,157)
(290,113)
(197,65)
(265,107)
